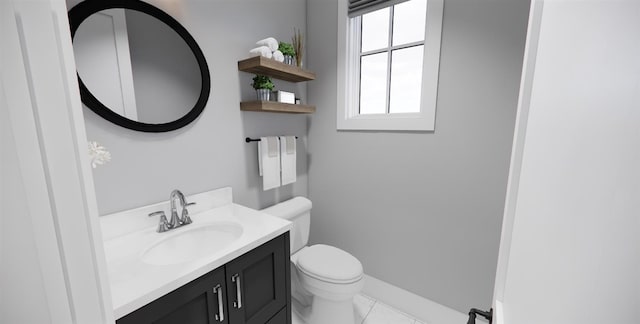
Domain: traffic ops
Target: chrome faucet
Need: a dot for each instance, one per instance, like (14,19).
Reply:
(184,219)
(175,221)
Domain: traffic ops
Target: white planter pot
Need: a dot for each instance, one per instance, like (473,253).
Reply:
(263,94)
(288,59)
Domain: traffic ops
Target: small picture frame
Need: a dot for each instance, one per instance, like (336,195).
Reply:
(284,97)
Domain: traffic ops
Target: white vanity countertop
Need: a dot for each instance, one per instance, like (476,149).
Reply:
(135,283)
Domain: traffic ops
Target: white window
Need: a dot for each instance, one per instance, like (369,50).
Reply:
(388,66)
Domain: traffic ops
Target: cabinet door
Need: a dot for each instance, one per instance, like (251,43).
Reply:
(280,318)
(258,283)
(193,303)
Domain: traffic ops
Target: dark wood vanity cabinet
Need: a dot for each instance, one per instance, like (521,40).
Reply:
(252,289)
(258,283)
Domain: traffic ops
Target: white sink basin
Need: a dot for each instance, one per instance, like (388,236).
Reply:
(191,242)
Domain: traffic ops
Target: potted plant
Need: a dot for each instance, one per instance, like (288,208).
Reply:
(263,86)
(288,51)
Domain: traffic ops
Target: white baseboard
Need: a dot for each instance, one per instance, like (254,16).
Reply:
(419,307)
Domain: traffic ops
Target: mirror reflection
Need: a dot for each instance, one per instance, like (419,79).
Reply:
(137,66)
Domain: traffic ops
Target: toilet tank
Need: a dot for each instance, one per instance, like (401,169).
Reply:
(298,211)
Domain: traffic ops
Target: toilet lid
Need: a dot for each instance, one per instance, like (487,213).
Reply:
(330,264)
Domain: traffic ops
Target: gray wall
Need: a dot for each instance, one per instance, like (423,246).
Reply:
(209,153)
(423,211)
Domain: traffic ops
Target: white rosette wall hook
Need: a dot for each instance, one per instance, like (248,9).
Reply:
(98,154)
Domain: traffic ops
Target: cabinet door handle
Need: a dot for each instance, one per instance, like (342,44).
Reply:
(218,291)
(236,279)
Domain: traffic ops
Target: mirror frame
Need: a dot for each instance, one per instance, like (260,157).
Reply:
(85,9)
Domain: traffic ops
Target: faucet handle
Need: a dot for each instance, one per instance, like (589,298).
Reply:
(156,213)
(185,219)
(163,225)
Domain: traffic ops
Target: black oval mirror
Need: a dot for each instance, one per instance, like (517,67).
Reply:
(137,66)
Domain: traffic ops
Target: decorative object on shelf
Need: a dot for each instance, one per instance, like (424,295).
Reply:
(268,48)
(284,97)
(289,60)
(269,42)
(263,86)
(261,51)
(263,94)
(98,154)
(297,41)
(278,56)
(288,51)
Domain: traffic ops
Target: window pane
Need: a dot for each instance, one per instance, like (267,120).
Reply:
(409,22)
(375,30)
(373,84)
(406,80)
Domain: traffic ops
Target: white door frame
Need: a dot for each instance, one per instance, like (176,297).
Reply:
(524,98)
(42,101)
(569,243)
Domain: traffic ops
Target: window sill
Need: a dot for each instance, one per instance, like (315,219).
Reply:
(386,122)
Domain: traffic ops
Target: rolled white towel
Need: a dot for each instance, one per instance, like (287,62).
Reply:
(261,51)
(269,42)
(277,55)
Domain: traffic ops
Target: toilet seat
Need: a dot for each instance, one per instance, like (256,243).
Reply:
(329,264)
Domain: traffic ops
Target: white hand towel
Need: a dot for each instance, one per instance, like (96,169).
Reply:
(278,56)
(269,162)
(288,159)
(261,51)
(269,42)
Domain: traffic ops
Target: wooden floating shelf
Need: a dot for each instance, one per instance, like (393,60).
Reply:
(277,107)
(273,68)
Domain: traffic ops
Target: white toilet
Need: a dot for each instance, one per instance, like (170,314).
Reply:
(324,279)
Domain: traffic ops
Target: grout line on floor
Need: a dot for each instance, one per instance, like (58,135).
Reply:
(370,308)
(375,301)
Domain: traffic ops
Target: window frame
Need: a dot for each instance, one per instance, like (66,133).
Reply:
(349,39)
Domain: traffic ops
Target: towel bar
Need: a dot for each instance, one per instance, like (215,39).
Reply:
(249,139)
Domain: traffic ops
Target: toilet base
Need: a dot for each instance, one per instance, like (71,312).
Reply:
(319,302)
(325,311)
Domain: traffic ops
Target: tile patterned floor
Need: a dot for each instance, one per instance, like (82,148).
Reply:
(371,311)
